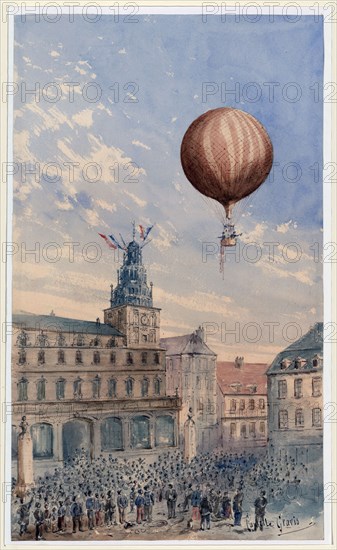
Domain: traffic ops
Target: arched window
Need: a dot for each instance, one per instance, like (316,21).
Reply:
(96,386)
(78,357)
(251,405)
(97,357)
(232,405)
(262,428)
(111,342)
(144,358)
(164,434)
(112,358)
(60,388)
(156,358)
(22,357)
(145,387)
(140,432)
(61,357)
(129,387)
(112,434)
(42,436)
(112,387)
(41,357)
(157,385)
(262,404)
(243,430)
(41,389)
(129,358)
(79,340)
(299,418)
(23,389)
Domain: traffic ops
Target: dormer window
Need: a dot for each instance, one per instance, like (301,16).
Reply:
(285,363)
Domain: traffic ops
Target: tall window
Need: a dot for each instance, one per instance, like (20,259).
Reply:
(198,382)
(252,431)
(242,404)
(42,436)
(262,404)
(282,389)
(157,385)
(23,389)
(232,405)
(78,388)
(316,387)
(112,387)
(144,358)
(299,418)
(251,405)
(97,357)
(61,357)
(60,388)
(41,389)
(112,358)
(96,387)
(41,357)
(298,384)
(156,358)
(129,387)
(200,404)
(129,358)
(243,430)
(78,357)
(316,417)
(232,431)
(283,420)
(145,387)
(262,428)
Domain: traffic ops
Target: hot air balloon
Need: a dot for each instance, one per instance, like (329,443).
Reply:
(226,154)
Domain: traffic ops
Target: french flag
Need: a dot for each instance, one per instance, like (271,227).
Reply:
(144,232)
(108,241)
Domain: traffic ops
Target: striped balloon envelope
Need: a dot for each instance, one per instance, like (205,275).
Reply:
(226,154)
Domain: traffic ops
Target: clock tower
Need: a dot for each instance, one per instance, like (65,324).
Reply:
(131,308)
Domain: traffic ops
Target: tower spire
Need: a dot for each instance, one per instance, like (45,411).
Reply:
(133,230)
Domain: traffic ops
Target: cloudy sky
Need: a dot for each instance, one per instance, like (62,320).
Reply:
(115,101)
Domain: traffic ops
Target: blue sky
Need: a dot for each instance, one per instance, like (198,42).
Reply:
(168,59)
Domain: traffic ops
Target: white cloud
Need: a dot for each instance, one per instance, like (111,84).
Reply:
(136,199)
(284,227)
(122,51)
(80,71)
(173,119)
(53,53)
(109,206)
(84,118)
(138,143)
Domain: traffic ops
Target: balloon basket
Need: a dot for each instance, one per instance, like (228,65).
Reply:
(228,241)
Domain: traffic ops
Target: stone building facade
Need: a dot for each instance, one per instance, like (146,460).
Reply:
(295,396)
(191,375)
(242,404)
(101,386)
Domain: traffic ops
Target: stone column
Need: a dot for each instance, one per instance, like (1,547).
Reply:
(25,477)
(190,448)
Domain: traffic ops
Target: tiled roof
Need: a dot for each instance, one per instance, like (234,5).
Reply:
(187,344)
(63,324)
(234,380)
(305,348)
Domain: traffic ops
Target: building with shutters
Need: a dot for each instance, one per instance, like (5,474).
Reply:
(295,396)
(191,374)
(242,404)
(101,386)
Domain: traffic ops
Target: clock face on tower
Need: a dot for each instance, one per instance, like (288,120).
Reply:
(144,320)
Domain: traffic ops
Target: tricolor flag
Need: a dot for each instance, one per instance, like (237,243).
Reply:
(108,242)
(144,232)
(115,242)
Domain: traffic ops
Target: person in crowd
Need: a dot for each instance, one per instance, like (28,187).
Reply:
(171,499)
(205,513)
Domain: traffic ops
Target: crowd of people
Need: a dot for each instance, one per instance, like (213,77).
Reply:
(105,492)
